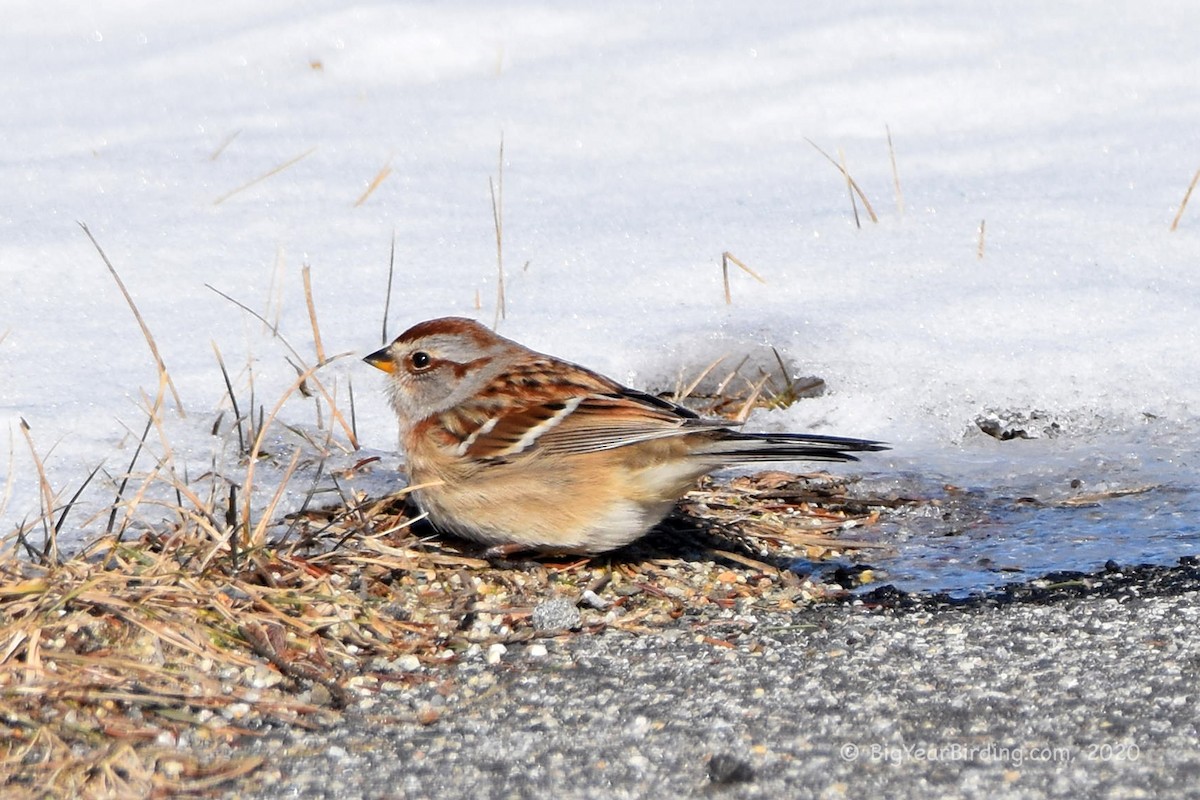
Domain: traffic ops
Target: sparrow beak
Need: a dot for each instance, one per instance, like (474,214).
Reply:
(381,359)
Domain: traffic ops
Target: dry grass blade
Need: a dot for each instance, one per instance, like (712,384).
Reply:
(380,177)
(743,413)
(275,293)
(982,238)
(1095,498)
(228,140)
(267,518)
(273,171)
(233,403)
(387,297)
(256,448)
(745,561)
(726,257)
(306,272)
(353,413)
(49,554)
(163,375)
(789,394)
(849,188)
(272,328)
(853,184)
(684,392)
(742,264)
(1184,202)
(895,173)
(112,514)
(132,504)
(62,518)
(720,390)
(329,398)
(497,190)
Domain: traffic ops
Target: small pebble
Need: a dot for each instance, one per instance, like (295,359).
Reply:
(495,653)
(236,710)
(557,614)
(593,600)
(724,769)
(536,650)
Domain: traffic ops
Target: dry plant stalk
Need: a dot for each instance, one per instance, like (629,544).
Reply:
(306,273)
(49,552)
(1183,204)
(228,140)
(982,235)
(116,502)
(255,538)
(853,184)
(726,257)
(497,191)
(380,177)
(273,171)
(849,188)
(682,392)
(162,367)
(387,296)
(895,173)
(237,413)
(330,399)
(275,293)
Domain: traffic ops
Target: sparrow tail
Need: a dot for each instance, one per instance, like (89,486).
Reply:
(737,448)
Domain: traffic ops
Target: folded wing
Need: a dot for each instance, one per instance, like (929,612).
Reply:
(593,422)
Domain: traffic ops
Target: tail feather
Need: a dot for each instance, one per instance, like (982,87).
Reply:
(737,448)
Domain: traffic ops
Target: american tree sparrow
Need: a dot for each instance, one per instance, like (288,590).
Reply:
(521,450)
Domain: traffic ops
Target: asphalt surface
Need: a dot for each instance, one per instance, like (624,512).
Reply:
(1072,686)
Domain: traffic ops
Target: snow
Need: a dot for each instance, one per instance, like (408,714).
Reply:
(640,142)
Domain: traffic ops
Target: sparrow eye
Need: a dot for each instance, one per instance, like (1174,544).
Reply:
(420,360)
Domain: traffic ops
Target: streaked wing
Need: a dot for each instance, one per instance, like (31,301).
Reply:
(584,424)
(606,422)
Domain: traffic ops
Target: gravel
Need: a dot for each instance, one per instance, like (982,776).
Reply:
(1069,686)
(556,615)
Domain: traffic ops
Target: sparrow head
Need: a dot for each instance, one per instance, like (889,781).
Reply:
(437,364)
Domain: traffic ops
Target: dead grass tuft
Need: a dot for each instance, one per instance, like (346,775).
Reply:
(734,394)
(202,612)
(127,667)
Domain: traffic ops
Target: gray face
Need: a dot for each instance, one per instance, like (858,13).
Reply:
(436,367)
